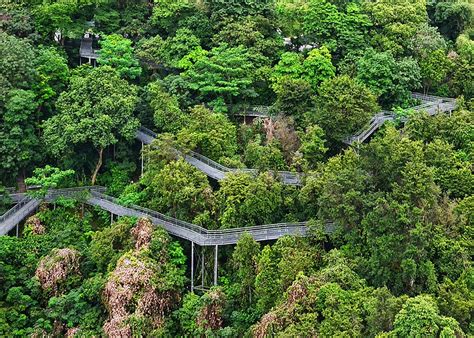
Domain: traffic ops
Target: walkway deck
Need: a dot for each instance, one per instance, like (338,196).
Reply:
(176,227)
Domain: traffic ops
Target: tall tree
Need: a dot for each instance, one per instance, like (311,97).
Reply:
(117,52)
(97,109)
(343,106)
(223,73)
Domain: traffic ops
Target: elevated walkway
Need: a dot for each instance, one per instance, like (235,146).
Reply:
(94,196)
(21,210)
(212,168)
(430,104)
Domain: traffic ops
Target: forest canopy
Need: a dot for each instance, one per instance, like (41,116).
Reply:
(343,126)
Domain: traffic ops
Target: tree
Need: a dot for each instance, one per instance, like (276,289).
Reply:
(395,22)
(342,28)
(343,106)
(318,67)
(117,52)
(244,200)
(16,64)
(419,316)
(313,145)
(210,134)
(97,110)
(293,97)
(426,40)
(258,34)
(434,69)
(267,280)
(451,17)
(264,157)
(222,73)
(388,78)
(48,178)
(181,191)
(19,143)
(338,193)
(245,259)
(167,115)
(52,74)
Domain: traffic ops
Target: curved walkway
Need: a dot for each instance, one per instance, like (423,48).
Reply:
(431,104)
(212,168)
(94,196)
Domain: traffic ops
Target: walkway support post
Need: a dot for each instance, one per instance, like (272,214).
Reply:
(192,266)
(142,159)
(202,266)
(111,218)
(215,265)
(17,231)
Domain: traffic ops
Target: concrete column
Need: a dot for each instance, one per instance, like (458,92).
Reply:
(215,265)
(17,231)
(111,218)
(192,266)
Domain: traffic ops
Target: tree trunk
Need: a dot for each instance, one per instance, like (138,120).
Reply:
(98,165)
(20,182)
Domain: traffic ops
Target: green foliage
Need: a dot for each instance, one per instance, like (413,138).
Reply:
(312,146)
(389,79)
(315,68)
(210,134)
(52,74)
(244,259)
(167,115)
(16,65)
(223,72)
(263,157)
(399,207)
(117,52)
(19,142)
(97,109)
(395,22)
(340,29)
(343,106)
(244,200)
(293,96)
(419,317)
(181,191)
(49,178)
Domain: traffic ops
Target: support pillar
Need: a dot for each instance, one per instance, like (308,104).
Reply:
(17,231)
(142,159)
(192,266)
(111,218)
(215,265)
(202,266)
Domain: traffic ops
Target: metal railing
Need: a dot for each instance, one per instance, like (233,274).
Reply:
(199,235)
(287,177)
(432,104)
(14,209)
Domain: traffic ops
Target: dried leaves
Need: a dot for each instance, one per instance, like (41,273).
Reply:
(55,268)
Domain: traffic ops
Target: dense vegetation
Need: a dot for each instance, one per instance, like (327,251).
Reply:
(399,262)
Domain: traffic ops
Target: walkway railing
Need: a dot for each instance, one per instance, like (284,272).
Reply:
(192,232)
(213,168)
(431,104)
